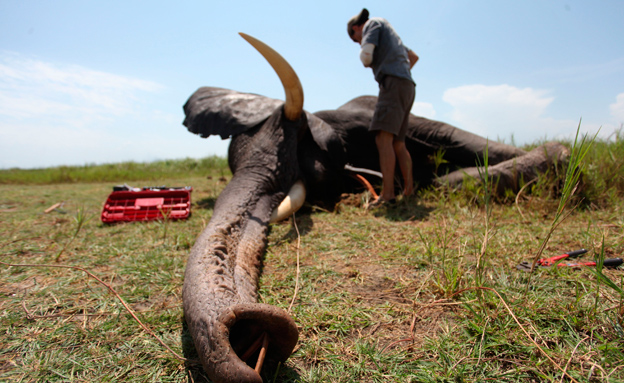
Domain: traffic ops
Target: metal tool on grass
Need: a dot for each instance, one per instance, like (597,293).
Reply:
(558,261)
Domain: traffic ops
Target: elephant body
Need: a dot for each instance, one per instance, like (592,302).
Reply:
(424,139)
(335,138)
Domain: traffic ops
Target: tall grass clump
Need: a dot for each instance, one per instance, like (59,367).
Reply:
(484,173)
(118,172)
(602,278)
(80,218)
(575,168)
(604,176)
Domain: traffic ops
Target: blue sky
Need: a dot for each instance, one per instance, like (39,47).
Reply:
(86,82)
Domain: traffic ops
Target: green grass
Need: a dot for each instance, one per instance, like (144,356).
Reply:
(119,172)
(400,294)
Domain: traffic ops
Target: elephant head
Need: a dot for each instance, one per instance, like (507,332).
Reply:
(220,283)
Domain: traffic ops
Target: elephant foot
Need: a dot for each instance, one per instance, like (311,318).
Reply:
(242,337)
(513,173)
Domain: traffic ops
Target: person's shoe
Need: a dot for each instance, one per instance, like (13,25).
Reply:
(379,202)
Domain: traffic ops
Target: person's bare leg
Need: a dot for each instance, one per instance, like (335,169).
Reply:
(387,159)
(405,163)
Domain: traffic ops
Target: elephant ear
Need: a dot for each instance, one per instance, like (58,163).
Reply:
(225,112)
(325,136)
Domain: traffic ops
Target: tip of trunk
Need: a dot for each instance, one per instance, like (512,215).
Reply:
(233,348)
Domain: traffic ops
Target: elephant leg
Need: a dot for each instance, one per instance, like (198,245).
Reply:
(508,175)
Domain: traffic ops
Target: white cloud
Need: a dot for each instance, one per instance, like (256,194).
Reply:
(30,88)
(53,114)
(617,108)
(424,109)
(503,111)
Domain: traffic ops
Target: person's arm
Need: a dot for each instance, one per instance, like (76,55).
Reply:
(413,57)
(366,54)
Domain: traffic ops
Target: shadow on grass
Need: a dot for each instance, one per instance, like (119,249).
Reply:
(304,225)
(206,203)
(271,372)
(407,209)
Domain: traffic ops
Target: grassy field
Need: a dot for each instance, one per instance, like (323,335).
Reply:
(426,291)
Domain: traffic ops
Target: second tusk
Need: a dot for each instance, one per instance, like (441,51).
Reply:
(293,202)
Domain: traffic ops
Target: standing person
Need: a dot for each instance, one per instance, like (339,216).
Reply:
(391,61)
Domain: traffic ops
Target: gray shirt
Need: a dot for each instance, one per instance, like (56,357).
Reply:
(390,55)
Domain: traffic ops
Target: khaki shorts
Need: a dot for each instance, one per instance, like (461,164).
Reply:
(396,97)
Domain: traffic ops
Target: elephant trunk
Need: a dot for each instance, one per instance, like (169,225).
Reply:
(221,278)
(220,289)
(222,272)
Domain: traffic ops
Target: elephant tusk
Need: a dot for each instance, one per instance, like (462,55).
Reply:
(293,202)
(292,86)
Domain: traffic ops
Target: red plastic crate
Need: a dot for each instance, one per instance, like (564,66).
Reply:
(147,205)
